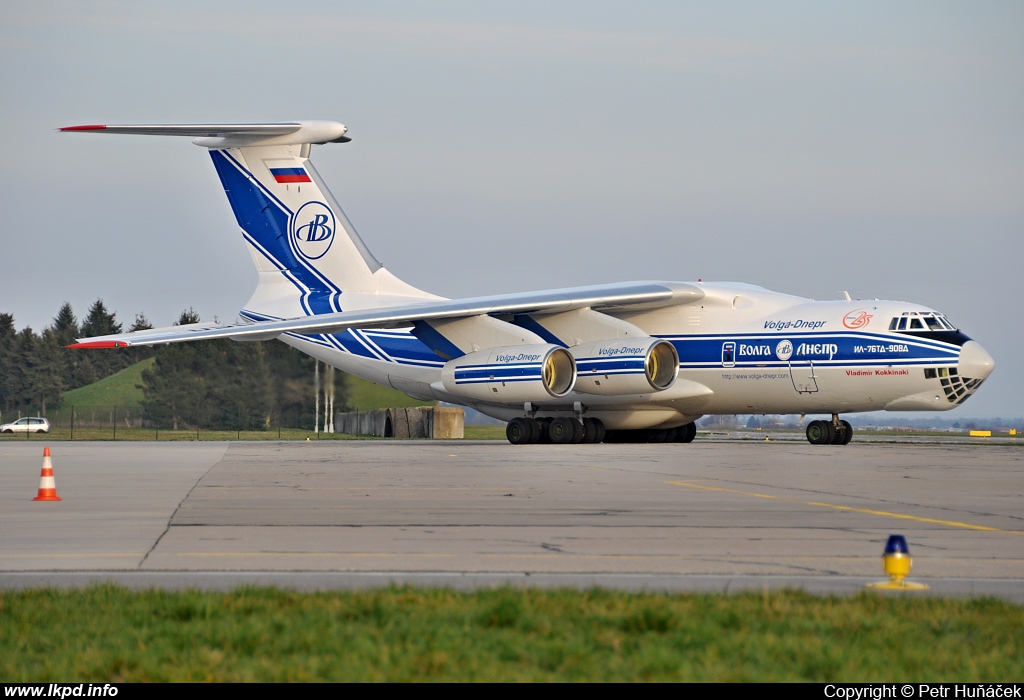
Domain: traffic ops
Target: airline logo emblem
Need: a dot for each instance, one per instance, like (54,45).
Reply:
(285,175)
(313,230)
(784,350)
(857,319)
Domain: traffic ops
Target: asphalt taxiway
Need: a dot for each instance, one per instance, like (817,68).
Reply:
(712,515)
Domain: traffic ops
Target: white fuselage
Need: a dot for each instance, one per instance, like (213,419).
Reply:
(742,349)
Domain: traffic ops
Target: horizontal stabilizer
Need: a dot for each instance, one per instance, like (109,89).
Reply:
(231,135)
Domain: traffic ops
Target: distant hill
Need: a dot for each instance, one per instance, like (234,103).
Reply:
(120,389)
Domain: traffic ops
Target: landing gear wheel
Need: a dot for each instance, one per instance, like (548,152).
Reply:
(847,433)
(660,435)
(686,433)
(535,430)
(519,431)
(820,432)
(593,430)
(562,431)
(579,432)
(543,430)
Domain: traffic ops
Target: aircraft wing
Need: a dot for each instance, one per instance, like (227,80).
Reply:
(636,295)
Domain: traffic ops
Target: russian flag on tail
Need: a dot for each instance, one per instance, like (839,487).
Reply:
(284,175)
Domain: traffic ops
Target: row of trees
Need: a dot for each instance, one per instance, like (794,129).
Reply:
(216,384)
(36,370)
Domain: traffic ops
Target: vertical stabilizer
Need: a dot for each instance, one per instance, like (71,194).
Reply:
(309,257)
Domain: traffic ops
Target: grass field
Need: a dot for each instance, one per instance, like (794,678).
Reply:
(108,633)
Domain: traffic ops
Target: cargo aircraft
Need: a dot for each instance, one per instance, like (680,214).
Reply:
(636,361)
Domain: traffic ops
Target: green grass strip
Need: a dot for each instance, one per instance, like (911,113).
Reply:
(108,633)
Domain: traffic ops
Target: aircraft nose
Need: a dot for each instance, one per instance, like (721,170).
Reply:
(975,362)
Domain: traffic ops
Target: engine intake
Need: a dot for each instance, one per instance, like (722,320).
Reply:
(625,366)
(513,374)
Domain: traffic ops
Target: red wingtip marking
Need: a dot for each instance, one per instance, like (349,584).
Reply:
(98,344)
(85,127)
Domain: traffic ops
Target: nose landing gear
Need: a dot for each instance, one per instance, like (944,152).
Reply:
(833,432)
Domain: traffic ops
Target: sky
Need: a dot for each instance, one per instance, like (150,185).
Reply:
(808,147)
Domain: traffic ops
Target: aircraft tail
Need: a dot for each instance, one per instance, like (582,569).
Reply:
(307,253)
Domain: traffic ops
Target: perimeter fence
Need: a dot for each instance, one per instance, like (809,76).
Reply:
(110,422)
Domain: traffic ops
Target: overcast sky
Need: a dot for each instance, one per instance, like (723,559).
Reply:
(807,147)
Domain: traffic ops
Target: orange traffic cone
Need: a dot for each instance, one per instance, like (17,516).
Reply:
(47,486)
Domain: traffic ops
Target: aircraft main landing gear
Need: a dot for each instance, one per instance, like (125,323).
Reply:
(560,431)
(833,432)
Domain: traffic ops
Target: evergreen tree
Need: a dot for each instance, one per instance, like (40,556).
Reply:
(63,332)
(100,321)
(65,325)
(106,362)
(46,375)
(7,339)
(172,389)
(141,323)
(17,378)
(244,387)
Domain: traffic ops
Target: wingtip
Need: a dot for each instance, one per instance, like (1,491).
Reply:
(94,344)
(84,127)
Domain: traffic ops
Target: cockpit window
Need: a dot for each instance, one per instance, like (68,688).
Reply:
(919,321)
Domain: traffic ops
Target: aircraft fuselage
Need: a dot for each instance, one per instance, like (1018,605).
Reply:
(742,349)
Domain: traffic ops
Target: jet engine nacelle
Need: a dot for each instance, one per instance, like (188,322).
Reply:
(625,366)
(513,374)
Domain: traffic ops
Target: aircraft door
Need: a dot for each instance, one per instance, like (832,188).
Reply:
(729,354)
(801,372)
(804,377)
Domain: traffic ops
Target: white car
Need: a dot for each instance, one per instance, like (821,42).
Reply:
(26,425)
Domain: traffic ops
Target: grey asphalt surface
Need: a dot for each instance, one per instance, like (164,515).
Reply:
(712,516)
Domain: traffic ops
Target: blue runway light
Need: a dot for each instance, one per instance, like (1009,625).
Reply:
(896,561)
(897,544)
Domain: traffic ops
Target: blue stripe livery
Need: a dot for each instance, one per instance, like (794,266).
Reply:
(617,365)
(857,349)
(429,336)
(264,220)
(523,372)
